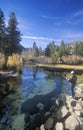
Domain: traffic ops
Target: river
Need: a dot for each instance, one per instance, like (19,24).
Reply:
(33,86)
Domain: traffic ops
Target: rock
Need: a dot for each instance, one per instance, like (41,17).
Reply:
(77,107)
(42,127)
(40,106)
(72,123)
(59,126)
(58,102)
(78,113)
(47,114)
(49,123)
(18,122)
(79,91)
(26,117)
(4,119)
(62,112)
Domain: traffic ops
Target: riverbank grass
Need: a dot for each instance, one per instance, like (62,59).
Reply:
(62,66)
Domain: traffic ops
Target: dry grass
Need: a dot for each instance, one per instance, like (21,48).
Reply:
(62,66)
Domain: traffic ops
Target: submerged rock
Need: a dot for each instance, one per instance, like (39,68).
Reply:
(49,123)
(40,106)
(18,122)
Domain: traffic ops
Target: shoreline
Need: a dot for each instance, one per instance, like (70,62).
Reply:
(61,67)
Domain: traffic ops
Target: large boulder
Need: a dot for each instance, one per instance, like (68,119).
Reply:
(49,123)
(59,126)
(78,107)
(62,112)
(79,91)
(42,127)
(72,123)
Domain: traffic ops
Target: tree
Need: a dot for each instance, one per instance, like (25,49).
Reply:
(80,49)
(14,35)
(2,32)
(63,49)
(35,50)
(76,48)
(56,58)
(50,49)
(40,51)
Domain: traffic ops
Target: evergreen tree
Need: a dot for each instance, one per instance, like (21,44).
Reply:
(76,49)
(63,50)
(40,51)
(35,50)
(80,49)
(2,32)
(50,49)
(14,35)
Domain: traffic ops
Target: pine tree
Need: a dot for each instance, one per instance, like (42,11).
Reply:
(40,51)
(63,50)
(14,35)
(76,49)
(80,49)
(2,32)
(50,49)
(35,50)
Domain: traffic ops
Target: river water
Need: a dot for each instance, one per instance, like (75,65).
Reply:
(33,86)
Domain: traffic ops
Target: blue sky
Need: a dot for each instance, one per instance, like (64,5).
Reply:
(44,21)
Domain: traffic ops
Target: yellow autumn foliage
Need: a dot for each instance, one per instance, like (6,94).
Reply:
(15,61)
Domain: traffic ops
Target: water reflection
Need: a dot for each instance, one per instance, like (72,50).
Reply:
(35,70)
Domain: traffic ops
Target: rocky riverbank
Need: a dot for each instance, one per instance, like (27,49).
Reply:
(60,115)
(70,115)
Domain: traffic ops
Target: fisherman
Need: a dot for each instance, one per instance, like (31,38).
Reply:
(73,81)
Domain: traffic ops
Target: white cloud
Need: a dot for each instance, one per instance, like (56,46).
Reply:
(50,17)
(71,35)
(72,22)
(23,24)
(79,13)
(40,41)
(36,38)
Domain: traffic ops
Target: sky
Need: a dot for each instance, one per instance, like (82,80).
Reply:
(44,21)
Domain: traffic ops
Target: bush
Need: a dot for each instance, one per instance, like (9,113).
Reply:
(44,60)
(56,58)
(72,60)
(2,60)
(15,62)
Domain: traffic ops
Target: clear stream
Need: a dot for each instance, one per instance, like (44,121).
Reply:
(33,82)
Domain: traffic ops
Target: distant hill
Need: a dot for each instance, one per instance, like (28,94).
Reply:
(72,44)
